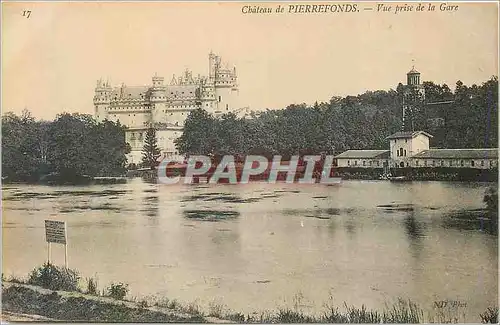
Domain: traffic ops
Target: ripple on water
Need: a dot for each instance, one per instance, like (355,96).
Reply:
(18,196)
(218,197)
(210,215)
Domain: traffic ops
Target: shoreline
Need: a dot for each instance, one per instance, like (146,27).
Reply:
(25,302)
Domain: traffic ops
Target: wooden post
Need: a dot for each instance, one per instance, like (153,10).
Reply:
(48,252)
(66,246)
(66,255)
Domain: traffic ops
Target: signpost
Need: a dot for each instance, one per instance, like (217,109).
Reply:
(55,232)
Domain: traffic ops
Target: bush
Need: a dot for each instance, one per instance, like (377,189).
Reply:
(92,287)
(54,278)
(286,315)
(117,291)
(491,199)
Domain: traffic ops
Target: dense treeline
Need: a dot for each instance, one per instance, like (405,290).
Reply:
(467,119)
(71,145)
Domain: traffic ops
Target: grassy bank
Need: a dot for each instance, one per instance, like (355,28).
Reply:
(54,293)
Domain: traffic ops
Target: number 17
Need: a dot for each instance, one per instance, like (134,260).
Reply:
(27,13)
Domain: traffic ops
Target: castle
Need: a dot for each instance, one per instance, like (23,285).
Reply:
(166,107)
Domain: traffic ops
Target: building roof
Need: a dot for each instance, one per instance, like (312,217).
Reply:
(408,135)
(413,71)
(354,154)
(490,153)
(129,92)
(181,91)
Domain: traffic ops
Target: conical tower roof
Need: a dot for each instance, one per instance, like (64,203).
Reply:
(413,71)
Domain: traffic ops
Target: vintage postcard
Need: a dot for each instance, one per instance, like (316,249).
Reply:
(246,162)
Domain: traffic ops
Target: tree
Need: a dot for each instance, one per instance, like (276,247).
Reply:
(199,135)
(79,145)
(150,151)
(468,118)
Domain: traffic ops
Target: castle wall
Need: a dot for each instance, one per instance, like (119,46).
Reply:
(226,99)
(166,140)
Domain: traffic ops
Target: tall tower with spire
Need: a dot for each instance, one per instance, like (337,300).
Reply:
(413,100)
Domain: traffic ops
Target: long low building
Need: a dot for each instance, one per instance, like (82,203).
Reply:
(411,150)
(363,158)
(457,158)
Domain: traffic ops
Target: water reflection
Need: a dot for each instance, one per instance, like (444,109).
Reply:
(350,227)
(414,228)
(471,219)
(415,231)
(255,244)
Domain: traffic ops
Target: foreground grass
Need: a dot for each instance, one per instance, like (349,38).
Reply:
(26,299)
(54,293)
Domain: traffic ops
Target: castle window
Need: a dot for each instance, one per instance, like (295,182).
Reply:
(451,163)
(461,163)
(219,99)
(405,153)
(442,163)
(416,162)
(482,162)
(348,163)
(355,162)
(472,163)
(364,163)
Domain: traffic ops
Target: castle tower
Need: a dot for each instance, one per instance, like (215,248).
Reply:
(158,99)
(102,100)
(226,88)
(413,99)
(211,66)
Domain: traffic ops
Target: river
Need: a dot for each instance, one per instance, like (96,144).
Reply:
(256,247)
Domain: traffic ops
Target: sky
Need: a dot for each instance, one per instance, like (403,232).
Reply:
(52,60)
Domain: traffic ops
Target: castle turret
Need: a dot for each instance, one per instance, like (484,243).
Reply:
(226,88)
(158,98)
(102,99)
(211,66)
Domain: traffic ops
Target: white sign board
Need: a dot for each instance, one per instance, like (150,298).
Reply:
(55,231)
